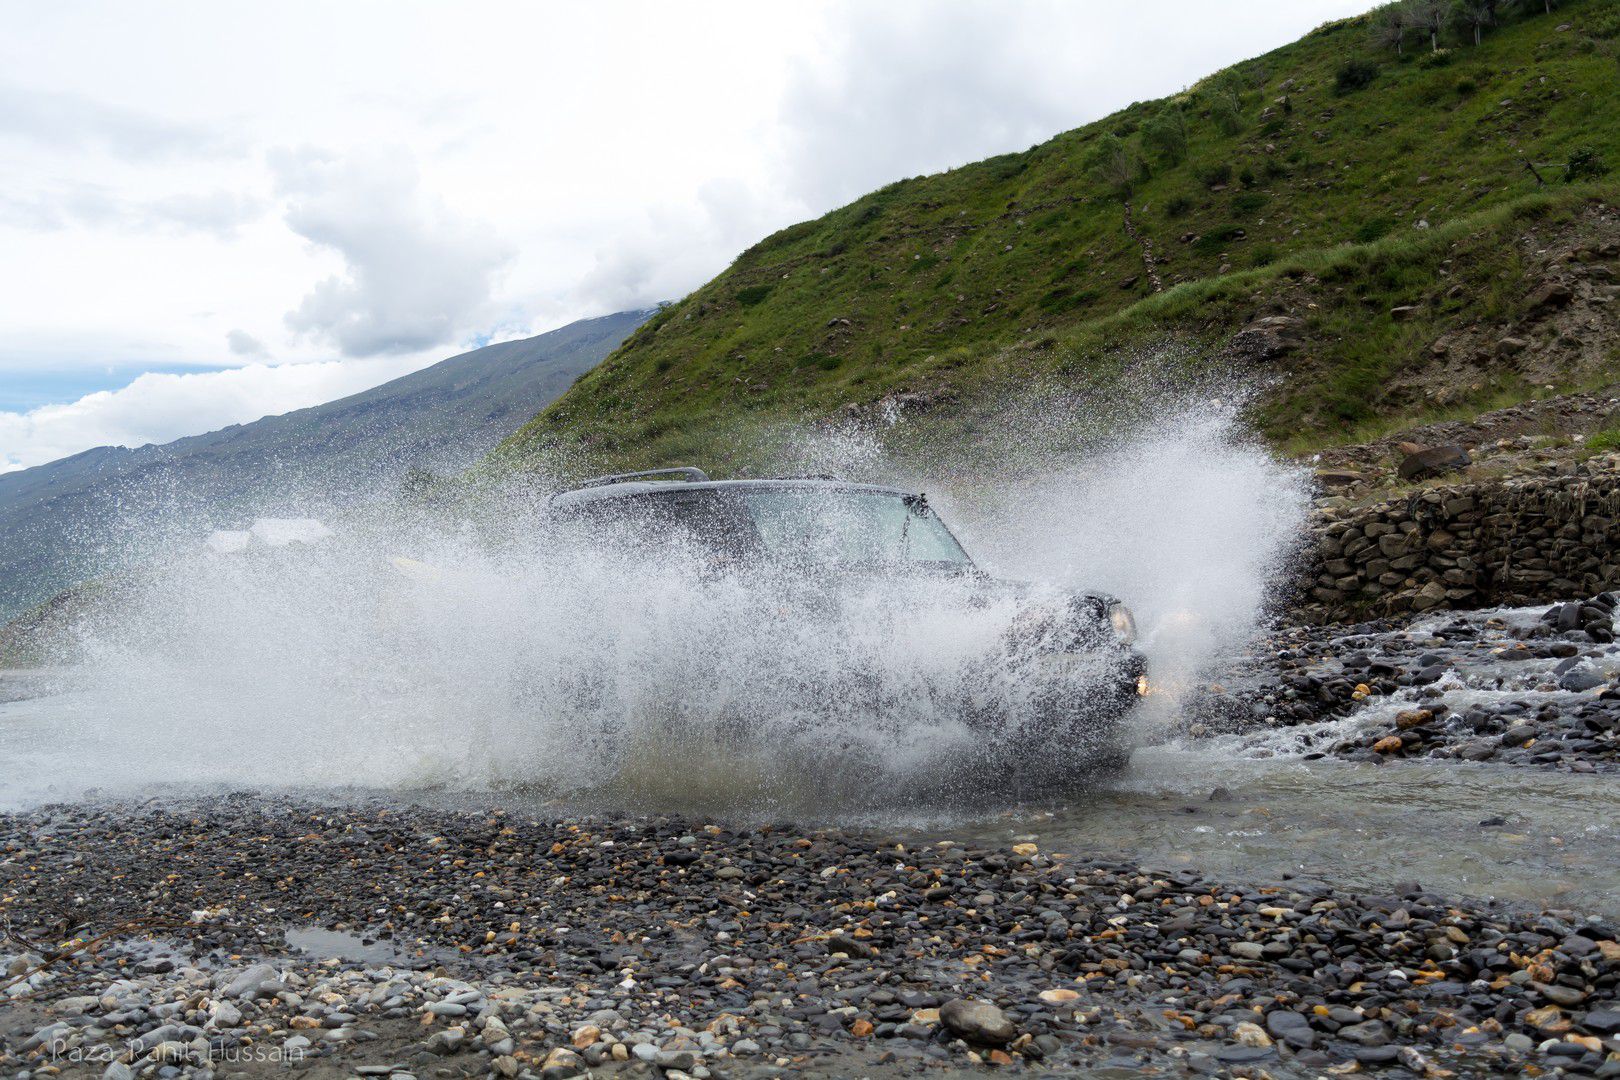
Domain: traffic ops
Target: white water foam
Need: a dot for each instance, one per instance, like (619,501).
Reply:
(470,651)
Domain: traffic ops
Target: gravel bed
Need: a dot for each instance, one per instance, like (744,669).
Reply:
(446,942)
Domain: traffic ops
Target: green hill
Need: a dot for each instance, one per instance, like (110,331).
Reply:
(1371,202)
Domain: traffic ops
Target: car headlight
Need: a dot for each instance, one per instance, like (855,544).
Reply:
(1124,622)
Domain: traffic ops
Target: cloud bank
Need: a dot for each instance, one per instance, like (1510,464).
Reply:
(158,408)
(416,275)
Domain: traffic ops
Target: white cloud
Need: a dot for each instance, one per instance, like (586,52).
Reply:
(898,90)
(68,204)
(76,121)
(637,265)
(416,275)
(157,408)
(243,343)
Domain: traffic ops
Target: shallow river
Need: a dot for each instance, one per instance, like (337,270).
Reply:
(1523,835)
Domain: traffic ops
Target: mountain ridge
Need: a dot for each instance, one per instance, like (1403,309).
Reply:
(439,418)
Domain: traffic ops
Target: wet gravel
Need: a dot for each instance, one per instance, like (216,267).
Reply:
(476,941)
(1531,688)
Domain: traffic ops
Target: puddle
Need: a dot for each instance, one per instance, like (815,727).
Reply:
(323,944)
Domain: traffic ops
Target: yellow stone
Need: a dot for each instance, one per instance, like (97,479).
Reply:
(1058,996)
(561,1057)
(1248,1034)
(1388,744)
(925,1016)
(587,1036)
(1025,849)
(1550,1018)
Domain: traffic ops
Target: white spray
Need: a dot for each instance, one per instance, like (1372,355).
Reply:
(407,652)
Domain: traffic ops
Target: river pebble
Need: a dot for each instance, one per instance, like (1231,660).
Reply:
(518,944)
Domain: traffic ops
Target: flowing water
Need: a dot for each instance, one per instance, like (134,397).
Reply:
(452,657)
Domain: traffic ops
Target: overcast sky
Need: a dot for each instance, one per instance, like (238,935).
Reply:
(212,212)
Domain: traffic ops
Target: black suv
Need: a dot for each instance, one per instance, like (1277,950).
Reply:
(1072,652)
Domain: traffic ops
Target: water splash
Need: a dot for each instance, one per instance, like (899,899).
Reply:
(471,650)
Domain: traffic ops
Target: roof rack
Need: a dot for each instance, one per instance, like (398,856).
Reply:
(689,473)
(810,476)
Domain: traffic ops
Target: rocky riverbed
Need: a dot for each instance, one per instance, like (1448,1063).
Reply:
(1243,902)
(1536,687)
(240,935)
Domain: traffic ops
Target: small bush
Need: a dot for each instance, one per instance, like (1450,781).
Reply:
(1374,229)
(824,361)
(1248,202)
(1439,59)
(1166,135)
(1246,176)
(1354,75)
(1585,163)
(752,295)
(1467,87)
(1263,255)
(1065,299)
(1215,175)
(1215,241)
(1225,115)
(1607,26)
(1177,206)
(1604,441)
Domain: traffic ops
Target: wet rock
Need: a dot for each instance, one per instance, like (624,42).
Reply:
(977,1022)
(1433,461)
(851,947)
(1366,1033)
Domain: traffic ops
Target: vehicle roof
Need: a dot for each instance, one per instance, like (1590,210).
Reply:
(628,488)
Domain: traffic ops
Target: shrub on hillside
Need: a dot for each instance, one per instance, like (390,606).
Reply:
(752,295)
(1113,164)
(1354,75)
(1247,202)
(1177,205)
(1215,175)
(1165,134)
(1374,229)
(1585,164)
(1216,240)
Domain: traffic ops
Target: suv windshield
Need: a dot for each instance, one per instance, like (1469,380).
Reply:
(850,527)
(779,524)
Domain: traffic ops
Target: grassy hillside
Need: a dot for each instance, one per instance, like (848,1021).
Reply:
(1335,171)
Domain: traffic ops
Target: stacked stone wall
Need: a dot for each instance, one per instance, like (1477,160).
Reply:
(1513,541)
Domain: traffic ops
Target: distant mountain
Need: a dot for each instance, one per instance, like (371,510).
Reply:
(57,521)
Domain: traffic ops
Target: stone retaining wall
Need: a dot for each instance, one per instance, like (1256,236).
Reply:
(1513,541)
